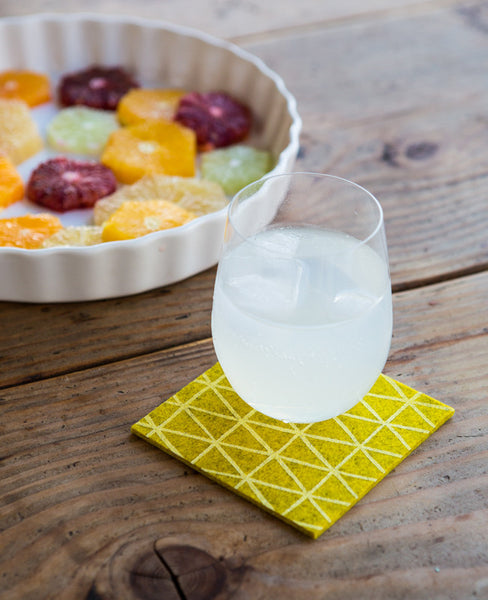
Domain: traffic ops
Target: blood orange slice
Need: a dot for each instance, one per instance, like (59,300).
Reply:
(62,184)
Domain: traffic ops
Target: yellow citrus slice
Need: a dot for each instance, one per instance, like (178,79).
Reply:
(28,231)
(31,87)
(141,104)
(150,147)
(11,184)
(197,195)
(19,135)
(134,219)
(81,235)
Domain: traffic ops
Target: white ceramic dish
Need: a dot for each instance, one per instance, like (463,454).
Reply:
(159,54)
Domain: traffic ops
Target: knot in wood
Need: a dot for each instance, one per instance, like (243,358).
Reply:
(178,572)
(421,150)
(394,154)
(160,569)
(195,574)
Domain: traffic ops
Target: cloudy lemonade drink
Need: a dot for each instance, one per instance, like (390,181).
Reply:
(311,333)
(302,319)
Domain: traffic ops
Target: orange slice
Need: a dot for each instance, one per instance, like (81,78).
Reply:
(33,88)
(19,135)
(141,104)
(134,219)
(150,147)
(28,231)
(11,184)
(196,195)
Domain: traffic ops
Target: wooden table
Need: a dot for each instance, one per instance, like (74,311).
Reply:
(394,95)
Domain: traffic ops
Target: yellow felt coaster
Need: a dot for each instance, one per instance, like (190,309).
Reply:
(306,474)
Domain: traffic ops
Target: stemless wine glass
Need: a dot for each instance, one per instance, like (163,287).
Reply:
(302,309)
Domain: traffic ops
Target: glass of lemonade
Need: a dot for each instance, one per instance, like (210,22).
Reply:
(302,308)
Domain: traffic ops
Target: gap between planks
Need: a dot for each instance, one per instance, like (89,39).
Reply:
(439,278)
(179,350)
(396,13)
(203,348)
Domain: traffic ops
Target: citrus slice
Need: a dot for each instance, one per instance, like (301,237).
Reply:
(81,130)
(134,219)
(197,195)
(28,231)
(11,184)
(150,147)
(97,86)
(81,235)
(217,118)
(142,104)
(31,87)
(235,167)
(63,184)
(19,135)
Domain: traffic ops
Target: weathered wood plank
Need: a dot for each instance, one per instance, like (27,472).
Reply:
(89,511)
(42,340)
(419,151)
(429,173)
(226,18)
(85,502)
(399,108)
(82,335)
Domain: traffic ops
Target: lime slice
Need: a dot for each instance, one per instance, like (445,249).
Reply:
(235,167)
(81,130)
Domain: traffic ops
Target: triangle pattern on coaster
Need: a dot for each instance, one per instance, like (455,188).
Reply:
(308,475)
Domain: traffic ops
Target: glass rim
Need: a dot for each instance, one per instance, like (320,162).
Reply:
(291,174)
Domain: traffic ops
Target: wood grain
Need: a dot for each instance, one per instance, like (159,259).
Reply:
(423,159)
(68,337)
(393,95)
(231,18)
(410,129)
(92,503)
